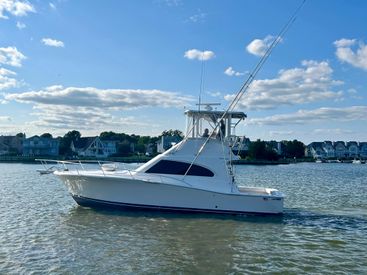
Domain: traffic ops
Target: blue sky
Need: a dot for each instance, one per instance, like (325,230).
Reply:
(134,66)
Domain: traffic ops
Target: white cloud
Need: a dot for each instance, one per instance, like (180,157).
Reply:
(11,56)
(344,42)
(355,57)
(215,94)
(90,109)
(280,133)
(325,114)
(90,121)
(6,80)
(354,94)
(171,3)
(258,47)
(82,118)
(352,91)
(6,72)
(117,99)
(52,42)
(200,55)
(5,119)
(199,17)
(335,131)
(52,6)
(21,25)
(310,83)
(15,7)
(230,72)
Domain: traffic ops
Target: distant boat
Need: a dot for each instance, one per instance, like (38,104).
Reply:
(357,161)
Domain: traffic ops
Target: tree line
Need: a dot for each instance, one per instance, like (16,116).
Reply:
(135,144)
(262,150)
(126,144)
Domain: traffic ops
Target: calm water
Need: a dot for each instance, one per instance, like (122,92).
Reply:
(323,230)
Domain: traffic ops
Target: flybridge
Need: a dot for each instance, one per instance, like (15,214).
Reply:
(203,123)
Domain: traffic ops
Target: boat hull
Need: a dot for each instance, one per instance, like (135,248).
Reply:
(139,194)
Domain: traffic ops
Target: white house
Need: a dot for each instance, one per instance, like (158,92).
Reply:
(363,150)
(93,147)
(167,142)
(329,149)
(315,150)
(338,149)
(341,150)
(353,149)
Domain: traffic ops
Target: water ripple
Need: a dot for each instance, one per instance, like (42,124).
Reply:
(323,229)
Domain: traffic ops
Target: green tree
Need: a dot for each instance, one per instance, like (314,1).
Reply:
(172,133)
(124,149)
(293,149)
(140,148)
(144,140)
(112,136)
(142,144)
(259,150)
(66,140)
(20,135)
(46,135)
(73,135)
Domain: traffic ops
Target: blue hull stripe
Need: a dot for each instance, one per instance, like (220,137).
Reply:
(94,203)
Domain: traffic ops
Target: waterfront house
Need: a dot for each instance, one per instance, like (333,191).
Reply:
(110,147)
(4,149)
(315,150)
(353,149)
(40,146)
(11,145)
(341,150)
(329,149)
(363,150)
(338,149)
(167,142)
(241,145)
(93,147)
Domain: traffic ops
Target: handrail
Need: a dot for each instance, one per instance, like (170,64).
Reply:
(78,163)
(71,161)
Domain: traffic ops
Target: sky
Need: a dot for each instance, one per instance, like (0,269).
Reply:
(136,66)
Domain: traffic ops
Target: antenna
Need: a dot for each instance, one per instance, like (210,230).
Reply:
(201,79)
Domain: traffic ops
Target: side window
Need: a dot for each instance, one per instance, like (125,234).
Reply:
(179,168)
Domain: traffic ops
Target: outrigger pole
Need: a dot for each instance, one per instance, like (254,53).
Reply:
(252,76)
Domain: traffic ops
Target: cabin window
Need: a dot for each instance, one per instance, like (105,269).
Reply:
(179,168)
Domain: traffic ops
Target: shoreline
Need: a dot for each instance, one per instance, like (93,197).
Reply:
(261,162)
(32,160)
(144,159)
(132,159)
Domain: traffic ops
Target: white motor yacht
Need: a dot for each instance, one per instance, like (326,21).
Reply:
(195,175)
